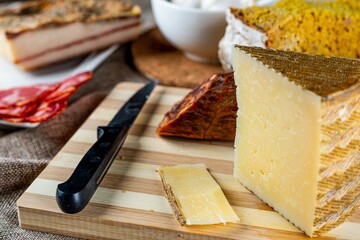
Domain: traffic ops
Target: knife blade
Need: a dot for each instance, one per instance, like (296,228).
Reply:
(73,195)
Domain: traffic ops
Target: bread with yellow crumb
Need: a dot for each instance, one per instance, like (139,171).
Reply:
(329,28)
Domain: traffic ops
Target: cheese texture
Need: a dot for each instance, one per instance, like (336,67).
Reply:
(298,135)
(195,197)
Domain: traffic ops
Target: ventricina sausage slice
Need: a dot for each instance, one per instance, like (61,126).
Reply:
(22,96)
(41,102)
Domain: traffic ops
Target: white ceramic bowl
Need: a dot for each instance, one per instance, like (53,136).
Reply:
(196,32)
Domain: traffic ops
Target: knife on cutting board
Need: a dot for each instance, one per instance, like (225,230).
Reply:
(73,195)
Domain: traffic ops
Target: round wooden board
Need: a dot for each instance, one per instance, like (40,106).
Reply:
(156,58)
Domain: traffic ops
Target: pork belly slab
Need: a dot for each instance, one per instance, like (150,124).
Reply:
(45,32)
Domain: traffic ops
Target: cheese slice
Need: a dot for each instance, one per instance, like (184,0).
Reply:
(298,134)
(195,197)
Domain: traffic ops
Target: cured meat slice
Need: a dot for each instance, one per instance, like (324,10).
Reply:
(68,87)
(207,112)
(76,81)
(40,113)
(39,103)
(60,96)
(47,111)
(22,96)
(18,111)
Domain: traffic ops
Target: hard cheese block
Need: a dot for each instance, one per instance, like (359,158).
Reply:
(297,139)
(194,196)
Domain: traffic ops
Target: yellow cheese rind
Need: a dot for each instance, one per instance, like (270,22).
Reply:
(297,140)
(195,197)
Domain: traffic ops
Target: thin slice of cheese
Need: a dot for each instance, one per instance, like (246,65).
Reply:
(298,132)
(195,197)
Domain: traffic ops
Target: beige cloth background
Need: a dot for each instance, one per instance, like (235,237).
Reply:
(25,153)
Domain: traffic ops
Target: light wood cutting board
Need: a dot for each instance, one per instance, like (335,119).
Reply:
(130,203)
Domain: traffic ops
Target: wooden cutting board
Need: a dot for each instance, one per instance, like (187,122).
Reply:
(130,203)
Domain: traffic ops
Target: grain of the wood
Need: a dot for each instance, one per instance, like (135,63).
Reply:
(130,203)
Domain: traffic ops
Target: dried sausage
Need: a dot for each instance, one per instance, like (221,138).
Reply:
(207,112)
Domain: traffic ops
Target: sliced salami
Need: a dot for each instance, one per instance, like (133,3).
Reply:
(22,96)
(18,111)
(77,80)
(41,102)
(63,96)
(47,111)
(69,86)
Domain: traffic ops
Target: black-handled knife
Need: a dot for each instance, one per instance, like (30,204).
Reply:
(73,195)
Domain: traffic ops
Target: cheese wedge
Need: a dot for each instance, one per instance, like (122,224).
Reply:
(298,134)
(39,33)
(195,197)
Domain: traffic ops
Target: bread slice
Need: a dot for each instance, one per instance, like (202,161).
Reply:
(327,28)
(39,33)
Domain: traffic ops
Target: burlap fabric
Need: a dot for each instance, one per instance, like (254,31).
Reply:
(25,153)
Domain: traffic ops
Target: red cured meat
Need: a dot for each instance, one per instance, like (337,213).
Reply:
(47,111)
(41,102)
(69,86)
(207,112)
(25,95)
(77,80)
(64,96)
(18,111)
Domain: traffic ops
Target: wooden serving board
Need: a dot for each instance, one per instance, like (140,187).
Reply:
(130,202)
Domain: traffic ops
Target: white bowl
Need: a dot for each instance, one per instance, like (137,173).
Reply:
(196,32)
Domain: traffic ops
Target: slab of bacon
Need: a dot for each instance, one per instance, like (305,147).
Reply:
(42,32)
(39,103)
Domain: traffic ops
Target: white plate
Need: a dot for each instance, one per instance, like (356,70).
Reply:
(12,76)
(9,125)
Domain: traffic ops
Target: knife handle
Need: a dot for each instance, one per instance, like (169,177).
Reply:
(73,195)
